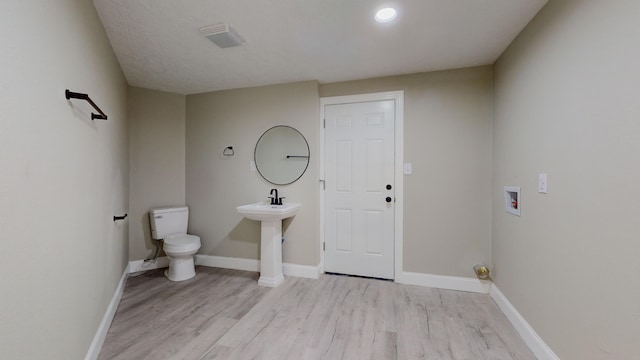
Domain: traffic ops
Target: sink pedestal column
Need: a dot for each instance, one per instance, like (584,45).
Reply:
(271,253)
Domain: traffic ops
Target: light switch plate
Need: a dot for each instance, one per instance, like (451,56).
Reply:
(542,183)
(252,166)
(408,168)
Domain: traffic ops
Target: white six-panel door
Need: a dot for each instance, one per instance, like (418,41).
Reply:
(359,188)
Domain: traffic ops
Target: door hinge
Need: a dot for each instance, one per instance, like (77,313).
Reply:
(324,246)
(324,123)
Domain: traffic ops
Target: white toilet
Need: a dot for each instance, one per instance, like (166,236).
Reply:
(170,225)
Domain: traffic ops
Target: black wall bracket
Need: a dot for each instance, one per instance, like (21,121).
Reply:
(116,218)
(74,95)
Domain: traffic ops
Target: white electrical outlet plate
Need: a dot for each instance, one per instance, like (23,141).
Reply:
(542,183)
(252,166)
(408,169)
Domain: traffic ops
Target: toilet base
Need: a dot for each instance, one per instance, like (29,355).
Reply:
(180,268)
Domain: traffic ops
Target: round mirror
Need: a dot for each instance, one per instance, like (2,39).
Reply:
(282,155)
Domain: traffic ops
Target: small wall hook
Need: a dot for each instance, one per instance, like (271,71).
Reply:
(116,218)
(228,151)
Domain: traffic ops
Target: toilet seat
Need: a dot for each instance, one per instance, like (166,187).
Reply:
(181,243)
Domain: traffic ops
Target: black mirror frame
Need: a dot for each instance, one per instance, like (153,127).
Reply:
(308,157)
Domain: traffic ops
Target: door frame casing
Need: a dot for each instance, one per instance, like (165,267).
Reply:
(398,97)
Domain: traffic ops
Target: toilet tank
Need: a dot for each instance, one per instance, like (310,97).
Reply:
(168,221)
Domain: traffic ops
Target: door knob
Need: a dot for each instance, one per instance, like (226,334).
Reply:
(388,186)
(388,199)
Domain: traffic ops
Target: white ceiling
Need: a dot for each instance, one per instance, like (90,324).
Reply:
(159,47)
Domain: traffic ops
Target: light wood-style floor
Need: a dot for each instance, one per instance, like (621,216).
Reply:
(224,314)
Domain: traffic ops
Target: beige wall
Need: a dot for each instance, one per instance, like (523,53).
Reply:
(63,178)
(447,138)
(216,185)
(566,104)
(157,161)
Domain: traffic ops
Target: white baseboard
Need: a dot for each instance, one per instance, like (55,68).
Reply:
(444,282)
(140,265)
(539,348)
(103,328)
(228,262)
(304,271)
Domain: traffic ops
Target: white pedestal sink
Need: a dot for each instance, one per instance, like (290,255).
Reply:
(271,217)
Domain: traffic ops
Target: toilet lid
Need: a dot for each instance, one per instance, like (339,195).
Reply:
(181,243)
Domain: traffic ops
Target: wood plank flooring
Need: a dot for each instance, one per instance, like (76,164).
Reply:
(224,314)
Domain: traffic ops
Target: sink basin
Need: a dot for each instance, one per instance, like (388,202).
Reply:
(267,212)
(270,217)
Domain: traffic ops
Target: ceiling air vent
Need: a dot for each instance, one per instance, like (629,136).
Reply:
(222,35)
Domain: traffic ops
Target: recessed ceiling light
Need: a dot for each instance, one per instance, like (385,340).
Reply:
(386,15)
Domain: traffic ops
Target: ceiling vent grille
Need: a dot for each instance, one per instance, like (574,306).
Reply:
(222,35)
